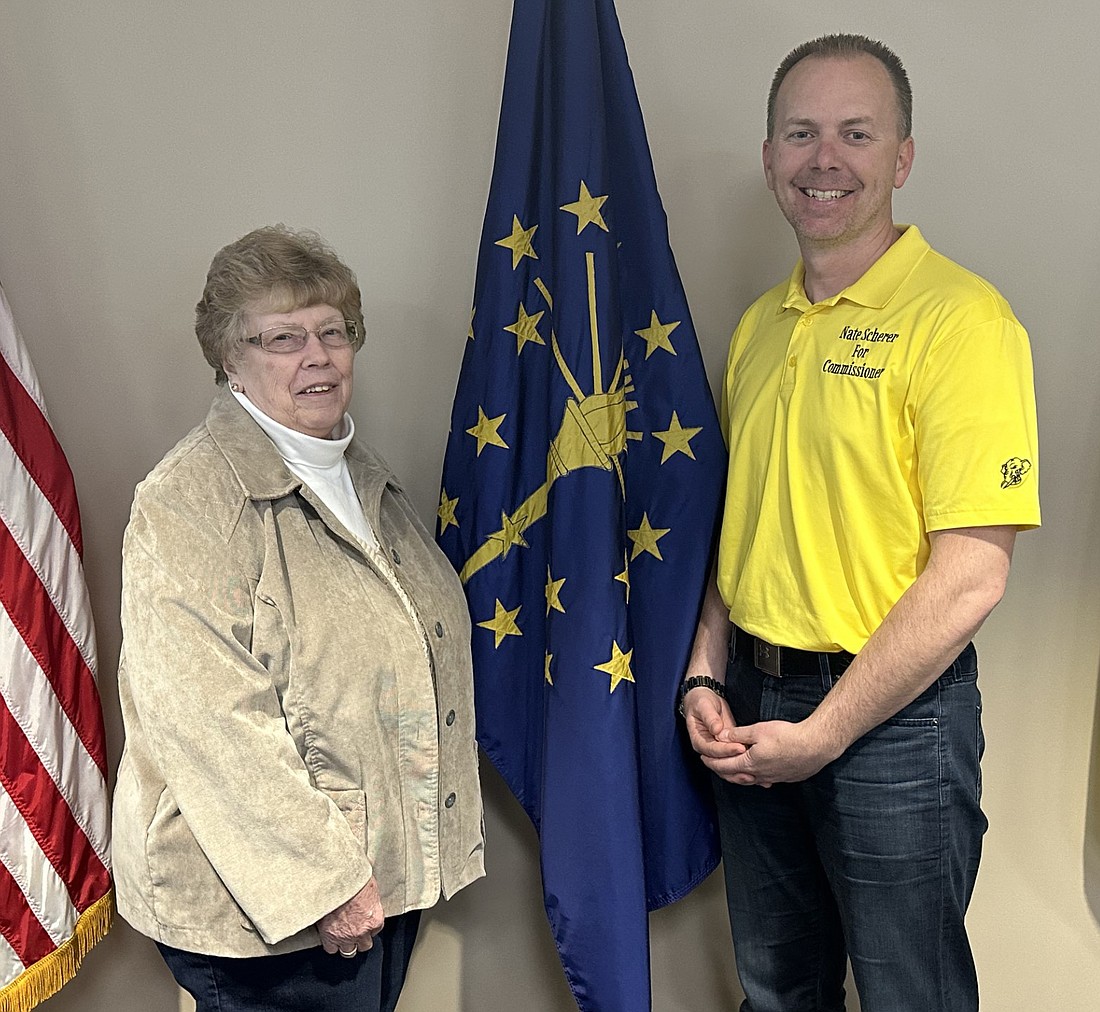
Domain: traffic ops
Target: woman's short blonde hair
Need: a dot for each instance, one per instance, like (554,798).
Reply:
(274,269)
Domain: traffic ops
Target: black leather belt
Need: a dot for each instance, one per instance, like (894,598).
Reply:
(786,662)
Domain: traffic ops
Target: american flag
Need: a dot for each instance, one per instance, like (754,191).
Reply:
(56,899)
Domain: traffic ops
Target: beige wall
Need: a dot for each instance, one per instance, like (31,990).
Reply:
(136,138)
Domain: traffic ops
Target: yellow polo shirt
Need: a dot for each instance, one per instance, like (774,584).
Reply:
(856,425)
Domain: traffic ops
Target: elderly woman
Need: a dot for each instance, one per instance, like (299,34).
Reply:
(300,774)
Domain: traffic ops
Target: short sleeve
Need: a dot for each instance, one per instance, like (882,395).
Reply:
(976,432)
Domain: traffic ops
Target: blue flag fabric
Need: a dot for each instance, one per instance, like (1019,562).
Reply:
(581,487)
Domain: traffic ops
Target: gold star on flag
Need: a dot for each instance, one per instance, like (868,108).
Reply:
(485,432)
(526,329)
(587,209)
(624,577)
(677,439)
(446,511)
(519,242)
(656,335)
(618,667)
(509,535)
(645,538)
(553,590)
(503,623)
(546,674)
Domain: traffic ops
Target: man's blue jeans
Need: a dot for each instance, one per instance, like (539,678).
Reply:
(873,858)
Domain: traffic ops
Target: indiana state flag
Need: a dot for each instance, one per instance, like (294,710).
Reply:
(580,493)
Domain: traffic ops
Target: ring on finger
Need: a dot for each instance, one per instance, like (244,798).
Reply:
(348,953)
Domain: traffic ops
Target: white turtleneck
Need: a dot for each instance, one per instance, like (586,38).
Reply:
(321,465)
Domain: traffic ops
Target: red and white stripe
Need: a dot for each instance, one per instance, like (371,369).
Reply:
(54,830)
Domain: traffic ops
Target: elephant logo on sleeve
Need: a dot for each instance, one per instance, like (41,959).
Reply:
(1013,471)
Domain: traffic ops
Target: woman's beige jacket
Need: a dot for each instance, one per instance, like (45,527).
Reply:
(298,710)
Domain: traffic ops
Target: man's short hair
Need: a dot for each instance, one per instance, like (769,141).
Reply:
(845,47)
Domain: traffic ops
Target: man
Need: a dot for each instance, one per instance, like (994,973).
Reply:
(880,414)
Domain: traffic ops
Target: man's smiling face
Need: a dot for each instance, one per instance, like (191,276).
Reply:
(835,156)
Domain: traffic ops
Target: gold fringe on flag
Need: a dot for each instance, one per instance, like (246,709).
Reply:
(45,978)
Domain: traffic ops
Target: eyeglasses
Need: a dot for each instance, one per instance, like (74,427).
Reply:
(290,337)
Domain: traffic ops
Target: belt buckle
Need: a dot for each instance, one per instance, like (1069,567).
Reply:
(766,657)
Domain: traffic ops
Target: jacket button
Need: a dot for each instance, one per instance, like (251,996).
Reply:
(450,717)
(450,802)
(396,557)
(439,628)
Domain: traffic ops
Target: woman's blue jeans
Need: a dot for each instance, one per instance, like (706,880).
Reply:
(309,980)
(873,859)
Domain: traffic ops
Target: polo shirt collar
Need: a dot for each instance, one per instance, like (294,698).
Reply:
(877,286)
